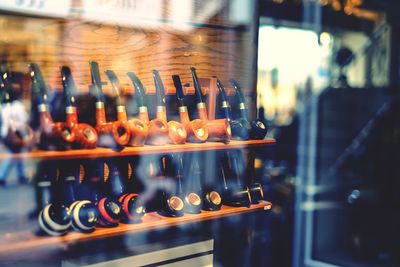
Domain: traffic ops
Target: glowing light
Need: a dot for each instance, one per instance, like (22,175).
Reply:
(325,38)
(336,5)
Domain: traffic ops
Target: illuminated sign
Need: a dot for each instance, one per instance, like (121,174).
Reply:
(50,8)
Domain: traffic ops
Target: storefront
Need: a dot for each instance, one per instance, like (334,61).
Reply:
(185,132)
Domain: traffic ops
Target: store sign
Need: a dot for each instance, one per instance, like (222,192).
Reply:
(50,8)
(123,12)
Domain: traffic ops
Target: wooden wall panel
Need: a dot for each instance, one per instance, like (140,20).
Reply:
(213,50)
(214,47)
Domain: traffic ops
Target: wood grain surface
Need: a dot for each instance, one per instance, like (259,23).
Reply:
(214,46)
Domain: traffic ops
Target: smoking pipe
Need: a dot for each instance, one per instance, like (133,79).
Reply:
(171,202)
(234,193)
(138,128)
(218,130)
(55,218)
(53,135)
(176,131)
(19,134)
(160,192)
(196,129)
(211,199)
(118,130)
(131,206)
(192,199)
(158,129)
(256,129)
(83,216)
(84,210)
(109,188)
(255,189)
(240,128)
(85,135)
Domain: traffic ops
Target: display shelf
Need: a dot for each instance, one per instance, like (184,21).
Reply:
(27,240)
(132,151)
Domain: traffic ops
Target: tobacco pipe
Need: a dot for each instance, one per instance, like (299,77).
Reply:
(176,131)
(240,128)
(158,129)
(54,219)
(118,130)
(94,207)
(211,199)
(171,203)
(218,130)
(192,199)
(83,216)
(53,135)
(138,128)
(234,193)
(196,129)
(132,208)
(84,209)
(255,189)
(108,206)
(256,129)
(85,135)
(160,194)
(19,134)
(83,212)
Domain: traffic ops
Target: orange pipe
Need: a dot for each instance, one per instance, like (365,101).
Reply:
(176,131)
(158,129)
(59,134)
(85,135)
(218,130)
(118,129)
(138,128)
(196,129)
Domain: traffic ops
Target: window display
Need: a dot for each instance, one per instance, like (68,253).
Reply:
(125,145)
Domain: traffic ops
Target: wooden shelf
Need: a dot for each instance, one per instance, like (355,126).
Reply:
(26,240)
(131,151)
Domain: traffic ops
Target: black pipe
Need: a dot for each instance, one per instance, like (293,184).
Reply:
(192,199)
(257,129)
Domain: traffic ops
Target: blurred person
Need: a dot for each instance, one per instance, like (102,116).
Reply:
(13,115)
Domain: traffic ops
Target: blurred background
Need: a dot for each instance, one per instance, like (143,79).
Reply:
(328,80)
